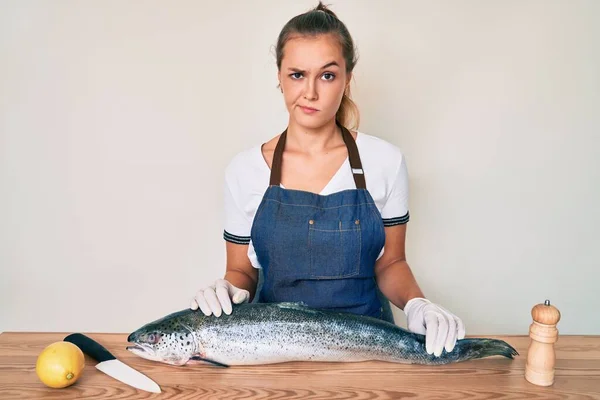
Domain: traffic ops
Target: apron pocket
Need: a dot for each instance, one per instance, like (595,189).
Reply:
(334,248)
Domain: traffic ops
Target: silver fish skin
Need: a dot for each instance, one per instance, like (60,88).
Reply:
(268,333)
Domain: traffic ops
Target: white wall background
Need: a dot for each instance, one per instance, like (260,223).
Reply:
(117,119)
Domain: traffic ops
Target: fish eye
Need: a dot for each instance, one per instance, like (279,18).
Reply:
(153,338)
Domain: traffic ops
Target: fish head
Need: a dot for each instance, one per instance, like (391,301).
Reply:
(168,340)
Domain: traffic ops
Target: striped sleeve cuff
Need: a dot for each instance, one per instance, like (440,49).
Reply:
(236,239)
(397,220)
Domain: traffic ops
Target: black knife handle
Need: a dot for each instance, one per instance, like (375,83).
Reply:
(90,347)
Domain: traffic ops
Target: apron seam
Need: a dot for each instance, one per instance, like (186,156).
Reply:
(321,208)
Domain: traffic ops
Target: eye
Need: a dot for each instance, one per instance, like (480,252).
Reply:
(296,73)
(153,338)
(332,76)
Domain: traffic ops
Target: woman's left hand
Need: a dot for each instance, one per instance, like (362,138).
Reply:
(440,326)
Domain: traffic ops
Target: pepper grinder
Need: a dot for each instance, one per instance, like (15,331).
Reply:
(539,368)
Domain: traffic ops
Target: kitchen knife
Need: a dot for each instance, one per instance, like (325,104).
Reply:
(110,365)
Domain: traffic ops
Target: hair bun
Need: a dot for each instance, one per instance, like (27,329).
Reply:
(322,7)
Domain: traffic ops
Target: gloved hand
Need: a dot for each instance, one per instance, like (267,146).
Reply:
(217,298)
(440,327)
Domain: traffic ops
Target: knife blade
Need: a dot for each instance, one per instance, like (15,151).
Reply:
(109,364)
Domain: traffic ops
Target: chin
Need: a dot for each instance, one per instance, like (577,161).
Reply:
(309,122)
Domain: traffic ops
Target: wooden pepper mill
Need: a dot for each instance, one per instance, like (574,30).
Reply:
(541,357)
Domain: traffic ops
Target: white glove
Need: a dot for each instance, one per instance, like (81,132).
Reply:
(440,326)
(217,298)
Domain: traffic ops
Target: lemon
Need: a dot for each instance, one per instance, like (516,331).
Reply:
(60,364)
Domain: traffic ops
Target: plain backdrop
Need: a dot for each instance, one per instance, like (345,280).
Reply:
(117,119)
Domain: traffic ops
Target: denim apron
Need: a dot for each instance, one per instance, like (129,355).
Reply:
(320,249)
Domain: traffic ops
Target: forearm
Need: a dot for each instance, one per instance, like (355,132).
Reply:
(242,280)
(397,282)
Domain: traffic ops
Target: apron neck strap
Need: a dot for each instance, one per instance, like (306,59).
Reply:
(353,156)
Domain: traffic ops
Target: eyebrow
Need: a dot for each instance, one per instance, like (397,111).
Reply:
(332,63)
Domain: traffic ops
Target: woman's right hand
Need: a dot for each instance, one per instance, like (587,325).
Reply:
(217,298)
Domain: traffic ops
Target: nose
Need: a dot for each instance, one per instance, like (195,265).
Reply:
(310,90)
(130,337)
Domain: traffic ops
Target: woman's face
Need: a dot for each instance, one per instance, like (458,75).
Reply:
(313,79)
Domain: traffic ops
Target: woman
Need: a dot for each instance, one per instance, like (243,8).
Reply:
(301,208)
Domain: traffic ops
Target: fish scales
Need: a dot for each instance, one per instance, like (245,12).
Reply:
(267,333)
(272,338)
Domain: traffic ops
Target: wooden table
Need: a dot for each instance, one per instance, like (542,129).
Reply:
(577,376)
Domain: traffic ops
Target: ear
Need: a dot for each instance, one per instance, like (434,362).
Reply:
(348,79)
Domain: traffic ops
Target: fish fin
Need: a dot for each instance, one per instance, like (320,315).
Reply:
(198,358)
(289,304)
(482,347)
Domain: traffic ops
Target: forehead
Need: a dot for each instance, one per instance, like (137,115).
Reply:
(312,52)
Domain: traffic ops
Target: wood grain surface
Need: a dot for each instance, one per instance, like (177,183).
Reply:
(577,376)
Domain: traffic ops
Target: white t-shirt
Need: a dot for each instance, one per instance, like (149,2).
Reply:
(247,178)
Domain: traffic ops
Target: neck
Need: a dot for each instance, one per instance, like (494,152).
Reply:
(317,140)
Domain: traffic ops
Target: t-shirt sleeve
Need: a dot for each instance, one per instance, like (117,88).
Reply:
(395,210)
(237,225)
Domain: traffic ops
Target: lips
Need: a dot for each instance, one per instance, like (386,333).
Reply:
(308,109)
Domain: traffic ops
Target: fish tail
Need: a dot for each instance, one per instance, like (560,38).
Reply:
(472,348)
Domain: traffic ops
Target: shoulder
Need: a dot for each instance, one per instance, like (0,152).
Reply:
(387,177)
(379,153)
(249,157)
(252,158)
(246,173)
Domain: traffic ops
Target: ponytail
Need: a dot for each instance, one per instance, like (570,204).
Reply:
(348,114)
